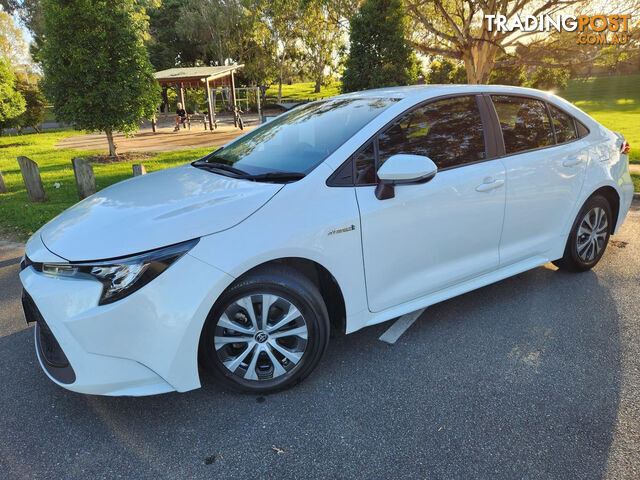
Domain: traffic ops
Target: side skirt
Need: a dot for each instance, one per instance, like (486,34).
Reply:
(459,289)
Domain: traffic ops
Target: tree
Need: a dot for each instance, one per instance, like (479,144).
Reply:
(446,71)
(217,32)
(12,104)
(550,78)
(96,68)
(458,29)
(35,103)
(215,29)
(321,38)
(12,45)
(169,45)
(380,54)
(508,75)
(283,20)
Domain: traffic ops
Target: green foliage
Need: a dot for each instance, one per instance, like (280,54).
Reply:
(12,46)
(167,46)
(509,76)
(12,103)
(322,38)
(96,67)
(545,78)
(446,71)
(459,75)
(34,113)
(380,55)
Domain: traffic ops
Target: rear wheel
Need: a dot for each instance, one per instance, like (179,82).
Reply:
(267,332)
(589,236)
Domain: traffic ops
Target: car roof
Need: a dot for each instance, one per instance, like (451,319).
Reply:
(427,91)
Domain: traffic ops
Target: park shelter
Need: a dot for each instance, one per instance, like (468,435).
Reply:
(209,78)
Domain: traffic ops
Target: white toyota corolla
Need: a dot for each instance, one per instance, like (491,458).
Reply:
(339,214)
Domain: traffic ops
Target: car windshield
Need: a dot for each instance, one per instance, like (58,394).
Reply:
(297,141)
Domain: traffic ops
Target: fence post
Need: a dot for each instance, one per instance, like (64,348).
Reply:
(138,169)
(3,187)
(85,179)
(32,180)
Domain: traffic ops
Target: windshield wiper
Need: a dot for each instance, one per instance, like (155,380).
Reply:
(275,176)
(220,168)
(225,169)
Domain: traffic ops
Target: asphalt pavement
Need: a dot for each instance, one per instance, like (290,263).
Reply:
(537,376)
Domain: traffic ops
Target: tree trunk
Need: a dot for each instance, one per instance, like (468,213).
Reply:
(112,145)
(280,82)
(318,84)
(165,100)
(479,61)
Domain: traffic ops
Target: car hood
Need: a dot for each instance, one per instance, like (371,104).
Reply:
(152,211)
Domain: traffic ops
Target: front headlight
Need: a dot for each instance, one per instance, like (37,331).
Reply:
(123,276)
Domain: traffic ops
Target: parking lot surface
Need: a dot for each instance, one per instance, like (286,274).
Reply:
(537,376)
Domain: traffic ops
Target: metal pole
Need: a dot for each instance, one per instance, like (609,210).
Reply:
(233,100)
(215,94)
(209,104)
(257,89)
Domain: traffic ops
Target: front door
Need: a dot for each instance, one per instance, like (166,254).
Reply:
(433,235)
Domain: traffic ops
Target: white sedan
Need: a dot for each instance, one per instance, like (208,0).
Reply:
(339,214)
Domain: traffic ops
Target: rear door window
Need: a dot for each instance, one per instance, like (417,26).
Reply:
(524,123)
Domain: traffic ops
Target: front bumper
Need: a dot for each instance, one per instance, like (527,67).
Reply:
(144,344)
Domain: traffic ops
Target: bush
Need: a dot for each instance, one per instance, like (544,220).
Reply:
(545,78)
(446,71)
(34,113)
(12,104)
(509,76)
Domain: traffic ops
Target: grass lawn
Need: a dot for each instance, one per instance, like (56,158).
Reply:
(612,101)
(304,91)
(19,218)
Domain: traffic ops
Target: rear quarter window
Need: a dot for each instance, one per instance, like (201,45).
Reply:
(563,124)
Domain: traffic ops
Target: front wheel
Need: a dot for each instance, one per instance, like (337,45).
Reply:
(267,332)
(589,236)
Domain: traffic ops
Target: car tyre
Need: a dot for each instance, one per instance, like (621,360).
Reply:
(272,353)
(589,236)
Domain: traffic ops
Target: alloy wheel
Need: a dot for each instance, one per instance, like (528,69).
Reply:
(260,337)
(592,234)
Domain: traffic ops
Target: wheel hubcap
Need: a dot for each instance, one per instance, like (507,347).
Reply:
(592,234)
(260,337)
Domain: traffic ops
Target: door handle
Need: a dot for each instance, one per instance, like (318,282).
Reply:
(488,186)
(571,162)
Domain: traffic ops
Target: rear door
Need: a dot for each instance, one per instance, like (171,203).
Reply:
(545,168)
(432,235)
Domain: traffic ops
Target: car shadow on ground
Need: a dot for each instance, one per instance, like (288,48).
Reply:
(517,379)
